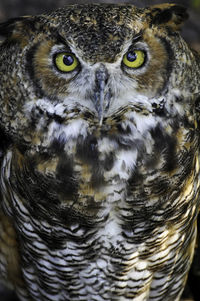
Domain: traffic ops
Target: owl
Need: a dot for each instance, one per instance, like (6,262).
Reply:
(99,154)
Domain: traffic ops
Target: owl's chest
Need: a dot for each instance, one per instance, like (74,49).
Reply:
(106,246)
(96,224)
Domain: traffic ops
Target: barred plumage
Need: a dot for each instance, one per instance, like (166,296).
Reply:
(99,154)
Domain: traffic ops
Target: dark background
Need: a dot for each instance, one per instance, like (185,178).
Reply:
(191,33)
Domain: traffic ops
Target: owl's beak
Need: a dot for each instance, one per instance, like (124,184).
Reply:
(101,77)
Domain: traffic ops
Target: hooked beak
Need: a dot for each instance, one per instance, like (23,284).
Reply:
(100,95)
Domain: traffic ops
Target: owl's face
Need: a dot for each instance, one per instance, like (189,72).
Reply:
(92,79)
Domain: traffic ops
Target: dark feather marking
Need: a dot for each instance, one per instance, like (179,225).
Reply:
(67,186)
(87,150)
(165,144)
(109,161)
(57,146)
(30,70)
(5,141)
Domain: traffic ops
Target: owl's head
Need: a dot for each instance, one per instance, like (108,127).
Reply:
(94,70)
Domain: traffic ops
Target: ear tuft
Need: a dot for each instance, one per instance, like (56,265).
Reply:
(17,26)
(170,15)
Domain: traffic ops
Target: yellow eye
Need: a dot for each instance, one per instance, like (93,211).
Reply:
(134,59)
(66,62)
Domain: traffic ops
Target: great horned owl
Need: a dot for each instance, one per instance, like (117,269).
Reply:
(99,154)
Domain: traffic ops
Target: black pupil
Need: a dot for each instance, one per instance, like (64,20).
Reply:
(131,56)
(68,60)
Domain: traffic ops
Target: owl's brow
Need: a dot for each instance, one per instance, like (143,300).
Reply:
(62,40)
(137,37)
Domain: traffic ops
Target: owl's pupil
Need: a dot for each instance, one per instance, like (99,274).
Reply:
(68,60)
(131,56)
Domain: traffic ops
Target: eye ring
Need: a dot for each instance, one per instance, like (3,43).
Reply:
(134,59)
(66,61)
